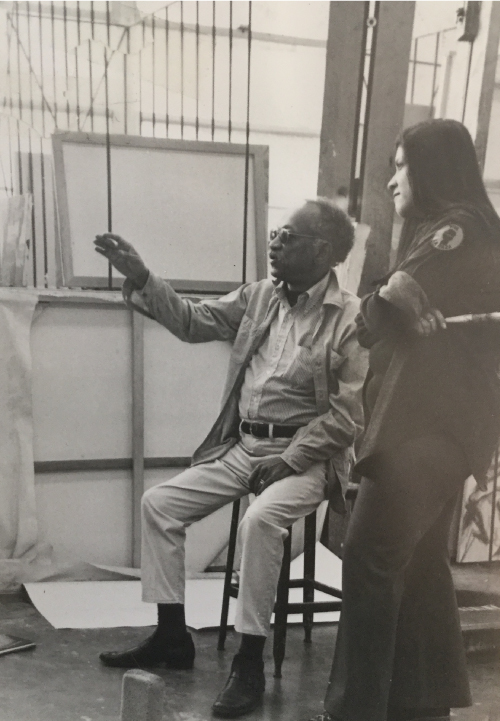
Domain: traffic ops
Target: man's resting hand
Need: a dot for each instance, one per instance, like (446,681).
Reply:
(123,256)
(267,472)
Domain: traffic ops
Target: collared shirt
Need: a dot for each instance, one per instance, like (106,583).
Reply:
(279,382)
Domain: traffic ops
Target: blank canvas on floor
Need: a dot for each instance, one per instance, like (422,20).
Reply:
(111,604)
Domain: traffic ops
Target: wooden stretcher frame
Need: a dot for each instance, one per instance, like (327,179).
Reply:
(258,157)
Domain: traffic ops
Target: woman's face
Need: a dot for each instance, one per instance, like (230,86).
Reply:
(400,187)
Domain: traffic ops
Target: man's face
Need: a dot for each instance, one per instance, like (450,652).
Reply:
(293,259)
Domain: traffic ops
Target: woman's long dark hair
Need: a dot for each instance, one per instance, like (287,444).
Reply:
(444,175)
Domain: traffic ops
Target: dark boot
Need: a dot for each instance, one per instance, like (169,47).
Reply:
(154,652)
(244,688)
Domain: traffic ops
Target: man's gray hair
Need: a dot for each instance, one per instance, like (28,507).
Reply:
(334,226)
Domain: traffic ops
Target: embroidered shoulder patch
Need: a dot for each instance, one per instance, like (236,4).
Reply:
(448,237)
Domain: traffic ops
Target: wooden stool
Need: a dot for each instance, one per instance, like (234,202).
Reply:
(282,606)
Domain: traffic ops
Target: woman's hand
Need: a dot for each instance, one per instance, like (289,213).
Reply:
(122,256)
(429,323)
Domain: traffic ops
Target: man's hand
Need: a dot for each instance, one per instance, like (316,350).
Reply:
(267,472)
(429,323)
(122,256)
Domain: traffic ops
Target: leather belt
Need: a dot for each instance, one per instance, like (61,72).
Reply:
(268,430)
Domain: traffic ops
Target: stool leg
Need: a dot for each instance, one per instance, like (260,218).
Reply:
(228,576)
(309,566)
(281,608)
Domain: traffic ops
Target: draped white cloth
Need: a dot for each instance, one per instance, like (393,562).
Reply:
(18,522)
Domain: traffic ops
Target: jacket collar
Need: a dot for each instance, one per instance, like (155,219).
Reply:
(333,293)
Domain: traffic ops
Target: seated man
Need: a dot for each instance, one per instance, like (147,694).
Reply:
(290,413)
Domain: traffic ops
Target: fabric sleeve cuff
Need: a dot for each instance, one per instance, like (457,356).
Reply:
(298,465)
(406,294)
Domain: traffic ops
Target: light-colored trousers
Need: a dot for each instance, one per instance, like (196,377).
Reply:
(167,510)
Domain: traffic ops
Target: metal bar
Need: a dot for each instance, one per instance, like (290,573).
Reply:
(108,164)
(166,70)
(247,148)
(31,74)
(137,432)
(125,83)
(229,126)
(182,69)
(213,69)
(41,61)
(92,19)
(109,464)
(33,224)
(369,90)
(108,23)
(44,218)
(20,165)
(493,506)
(436,65)
(91,90)
(414,69)
(20,105)
(154,75)
(197,121)
(54,84)
(66,68)
(469,65)
(77,73)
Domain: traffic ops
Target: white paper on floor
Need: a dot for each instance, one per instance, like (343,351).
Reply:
(110,604)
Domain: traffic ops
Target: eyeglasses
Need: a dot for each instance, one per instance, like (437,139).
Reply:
(284,235)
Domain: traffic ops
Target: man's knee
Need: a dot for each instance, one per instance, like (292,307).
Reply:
(261,518)
(152,499)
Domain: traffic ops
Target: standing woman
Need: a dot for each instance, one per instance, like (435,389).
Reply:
(432,407)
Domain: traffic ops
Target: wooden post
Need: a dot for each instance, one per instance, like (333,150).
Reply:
(385,113)
(343,77)
(137,433)
(488,80)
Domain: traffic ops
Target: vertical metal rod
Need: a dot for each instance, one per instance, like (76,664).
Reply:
(91,88)
(54,84)
(30,51)
(493,506)
(166,71)
(9,61)
(30,155)
(436,65)
(108,23)
(369,89)
(247,147)
(469,65)
(414,70)
(353,190)
(19,99)
(44,217)
(182,69)
(229,122)
(125,84)
(20,168)
(213,68)
(197,121)
(33,224)
(65,21)
(153,99)
(92,18)
(140,76)
(108,163)
(41,63)
(77,73)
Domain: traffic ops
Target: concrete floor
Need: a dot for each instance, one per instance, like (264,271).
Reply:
(62,679)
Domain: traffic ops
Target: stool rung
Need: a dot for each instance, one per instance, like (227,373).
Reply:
(316,606)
